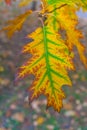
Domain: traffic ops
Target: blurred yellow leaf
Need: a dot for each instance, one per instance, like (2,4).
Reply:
(24,2)
(40,120)
(16,24)
(1,68)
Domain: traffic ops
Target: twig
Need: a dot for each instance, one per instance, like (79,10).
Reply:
(58,8)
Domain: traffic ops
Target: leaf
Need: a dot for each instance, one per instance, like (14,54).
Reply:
(24,2)
(70,2)
(49,64)
(79,3)
(16,24)
(73,35)
(59,19)
(8,2)
(40,120)
(1,68)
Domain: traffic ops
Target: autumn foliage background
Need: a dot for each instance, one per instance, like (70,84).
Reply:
(15,112)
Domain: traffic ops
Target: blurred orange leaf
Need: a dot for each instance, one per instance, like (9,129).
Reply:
(8,2)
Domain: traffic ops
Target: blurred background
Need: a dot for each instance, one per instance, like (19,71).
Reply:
(15,111)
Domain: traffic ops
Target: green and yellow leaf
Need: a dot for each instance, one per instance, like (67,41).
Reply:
(49,64)
(78,3)
(59,19)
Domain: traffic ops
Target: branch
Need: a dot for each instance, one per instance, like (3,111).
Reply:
(58,8)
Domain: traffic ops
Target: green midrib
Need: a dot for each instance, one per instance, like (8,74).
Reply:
(47,58)
(47,63)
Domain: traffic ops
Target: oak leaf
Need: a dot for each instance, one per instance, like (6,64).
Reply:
(52,51)
(16,24)
(49,64)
